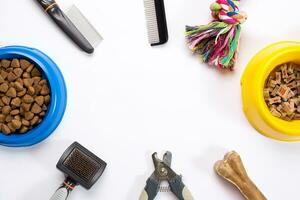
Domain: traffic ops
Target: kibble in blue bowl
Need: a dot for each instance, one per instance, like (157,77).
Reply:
(32,96)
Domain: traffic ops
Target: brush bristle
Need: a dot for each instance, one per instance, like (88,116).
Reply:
(82,165)
(151,19)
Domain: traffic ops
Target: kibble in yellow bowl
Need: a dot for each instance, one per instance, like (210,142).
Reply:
(253,84)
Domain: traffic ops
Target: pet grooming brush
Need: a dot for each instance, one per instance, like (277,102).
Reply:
(81,167)
(74,24)
(156,22)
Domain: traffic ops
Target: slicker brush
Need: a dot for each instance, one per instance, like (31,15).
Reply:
(81,167)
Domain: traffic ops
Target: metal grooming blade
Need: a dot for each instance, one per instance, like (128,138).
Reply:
(81,167)
(74,24)
(84,26)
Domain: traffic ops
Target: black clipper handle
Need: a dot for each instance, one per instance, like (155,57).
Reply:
(179,189)
(51,7)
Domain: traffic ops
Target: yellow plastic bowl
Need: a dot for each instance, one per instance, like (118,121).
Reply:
(253,81)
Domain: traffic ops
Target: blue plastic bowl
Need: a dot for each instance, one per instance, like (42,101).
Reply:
(58,102)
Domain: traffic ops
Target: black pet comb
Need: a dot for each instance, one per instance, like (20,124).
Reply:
(81,167)
(156,22)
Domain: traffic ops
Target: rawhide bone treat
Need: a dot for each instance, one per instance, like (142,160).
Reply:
(24,96)
(231,168)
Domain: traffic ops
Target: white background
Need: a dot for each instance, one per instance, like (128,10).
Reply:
(129,100)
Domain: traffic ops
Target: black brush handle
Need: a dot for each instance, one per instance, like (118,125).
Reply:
(51,7)
(46,3)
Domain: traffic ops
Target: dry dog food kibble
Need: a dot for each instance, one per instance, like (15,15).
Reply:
(24,96)
(282,92)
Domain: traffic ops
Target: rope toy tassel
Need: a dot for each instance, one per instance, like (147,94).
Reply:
(217,42)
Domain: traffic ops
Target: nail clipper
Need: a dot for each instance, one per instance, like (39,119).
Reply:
(163,172)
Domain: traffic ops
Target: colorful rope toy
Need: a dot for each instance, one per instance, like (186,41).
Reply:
(217,42)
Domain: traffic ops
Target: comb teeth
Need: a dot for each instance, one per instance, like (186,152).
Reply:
(156,22)
(151,19)
(81,165)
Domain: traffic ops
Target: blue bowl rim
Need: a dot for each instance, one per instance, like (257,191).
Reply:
(58,101)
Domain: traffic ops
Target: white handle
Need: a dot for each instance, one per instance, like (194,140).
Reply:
(187,194)
(144,196)
(60,194)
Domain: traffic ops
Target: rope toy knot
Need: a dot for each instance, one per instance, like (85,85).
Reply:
(217,42)
(228,12)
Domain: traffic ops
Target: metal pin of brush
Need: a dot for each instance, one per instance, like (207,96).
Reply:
(81,167)
(74,24)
